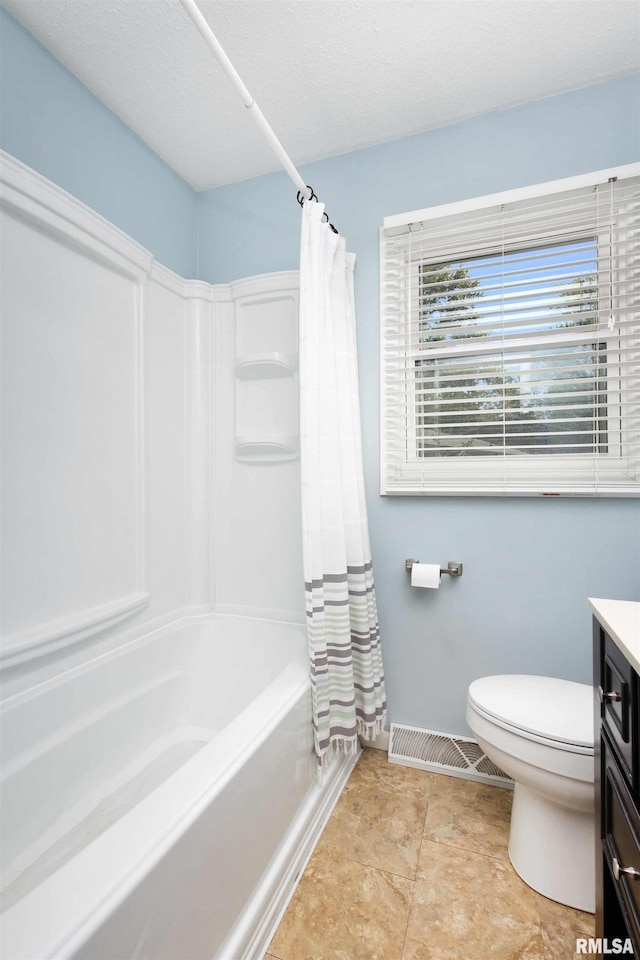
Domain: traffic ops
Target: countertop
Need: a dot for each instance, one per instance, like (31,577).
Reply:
(621,620)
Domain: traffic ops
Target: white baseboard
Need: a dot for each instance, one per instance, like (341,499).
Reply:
(259,921)
(380,743)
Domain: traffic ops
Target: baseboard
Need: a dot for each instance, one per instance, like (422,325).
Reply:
(259,921)
(381,742)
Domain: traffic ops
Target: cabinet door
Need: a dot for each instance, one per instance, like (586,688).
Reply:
(621,839)
(619,707)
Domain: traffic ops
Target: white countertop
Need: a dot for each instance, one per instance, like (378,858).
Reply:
(621,620)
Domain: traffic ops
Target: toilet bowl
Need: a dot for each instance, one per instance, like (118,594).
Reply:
(540,731)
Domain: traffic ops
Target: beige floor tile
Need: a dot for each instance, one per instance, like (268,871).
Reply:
(355,899)
(471,906)
(556,913)
(527,945)
(559,939)
(378,822)
(561,926)
(470,795)
(373,771)
(469,815)
(343,910)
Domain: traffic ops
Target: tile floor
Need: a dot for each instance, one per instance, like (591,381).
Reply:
(414,866)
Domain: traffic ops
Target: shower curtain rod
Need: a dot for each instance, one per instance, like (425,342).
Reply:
(305,192)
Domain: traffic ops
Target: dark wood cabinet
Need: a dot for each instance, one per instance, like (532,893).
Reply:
(617,775)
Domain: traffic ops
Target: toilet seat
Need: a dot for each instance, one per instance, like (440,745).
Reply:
(553,712)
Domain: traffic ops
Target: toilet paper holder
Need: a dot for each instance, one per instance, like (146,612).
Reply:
(454,567)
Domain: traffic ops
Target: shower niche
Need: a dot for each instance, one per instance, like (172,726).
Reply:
(266,371)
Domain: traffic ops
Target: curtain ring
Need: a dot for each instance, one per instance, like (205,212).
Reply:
(301,199)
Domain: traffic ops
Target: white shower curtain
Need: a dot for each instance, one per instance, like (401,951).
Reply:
(344,640)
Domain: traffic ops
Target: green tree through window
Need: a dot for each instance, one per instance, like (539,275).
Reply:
(550,399)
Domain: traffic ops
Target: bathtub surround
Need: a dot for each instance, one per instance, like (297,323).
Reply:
(129,518)
(173,534)
(101,510)
(347,678)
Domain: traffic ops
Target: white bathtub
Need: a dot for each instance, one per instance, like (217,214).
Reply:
(159,801)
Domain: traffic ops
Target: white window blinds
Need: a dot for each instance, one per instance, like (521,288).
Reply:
(511,344)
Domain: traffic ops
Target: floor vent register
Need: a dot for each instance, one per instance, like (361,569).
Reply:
(443,753)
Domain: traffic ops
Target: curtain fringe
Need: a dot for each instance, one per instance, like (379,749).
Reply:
(369,731)
(349,745)
(346,745)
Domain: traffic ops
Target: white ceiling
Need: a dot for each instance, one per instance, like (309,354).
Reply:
(330,75)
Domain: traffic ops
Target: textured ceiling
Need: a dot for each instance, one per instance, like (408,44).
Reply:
(329,75)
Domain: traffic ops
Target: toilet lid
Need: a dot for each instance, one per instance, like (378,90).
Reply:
(546,707)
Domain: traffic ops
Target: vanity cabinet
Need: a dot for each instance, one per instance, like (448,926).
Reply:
(616,645)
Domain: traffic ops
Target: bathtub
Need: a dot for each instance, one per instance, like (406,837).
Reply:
(160,801)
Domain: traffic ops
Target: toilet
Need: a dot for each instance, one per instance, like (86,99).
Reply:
(540,731)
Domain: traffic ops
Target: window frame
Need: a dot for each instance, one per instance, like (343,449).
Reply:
(573,478)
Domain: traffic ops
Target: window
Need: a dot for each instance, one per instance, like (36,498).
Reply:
(511,342)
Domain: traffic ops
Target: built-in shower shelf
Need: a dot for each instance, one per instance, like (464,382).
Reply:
(266,449)
(265,366)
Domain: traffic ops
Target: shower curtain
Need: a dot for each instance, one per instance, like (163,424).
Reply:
(347,679)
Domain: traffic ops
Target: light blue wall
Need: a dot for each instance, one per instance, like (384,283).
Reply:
(51,122)
(529,564)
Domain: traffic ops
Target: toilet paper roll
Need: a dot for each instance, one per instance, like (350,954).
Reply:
(425,575)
